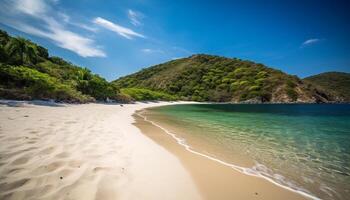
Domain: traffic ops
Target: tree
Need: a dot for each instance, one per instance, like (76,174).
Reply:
(20,52)
(42,52)
(4,38)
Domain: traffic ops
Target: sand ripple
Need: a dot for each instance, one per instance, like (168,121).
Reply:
(53,155)
(84,152)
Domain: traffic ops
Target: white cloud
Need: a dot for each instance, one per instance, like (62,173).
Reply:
(66,19)
(146,50)
(31,7)
(83,46)
(63,38)
(50,26)
(310,42)
(84,26)
(152,50)
(123,31)
(135,17)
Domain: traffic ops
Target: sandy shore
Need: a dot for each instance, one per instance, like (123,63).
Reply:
(215,180)
(94,151)
(90,151)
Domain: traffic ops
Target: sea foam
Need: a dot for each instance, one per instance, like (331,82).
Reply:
(258,170)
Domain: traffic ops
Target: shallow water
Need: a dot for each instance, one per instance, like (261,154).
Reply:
(305,147)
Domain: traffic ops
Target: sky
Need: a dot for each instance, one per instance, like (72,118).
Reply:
(114,38)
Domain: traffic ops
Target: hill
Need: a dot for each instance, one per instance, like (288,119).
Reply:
(213,78)
(28,72)
(336,83)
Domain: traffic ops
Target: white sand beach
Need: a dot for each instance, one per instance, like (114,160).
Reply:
(90,151)
(97,151)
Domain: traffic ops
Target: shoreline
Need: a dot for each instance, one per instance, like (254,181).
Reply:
(177,146)
(126,152)
(88,151)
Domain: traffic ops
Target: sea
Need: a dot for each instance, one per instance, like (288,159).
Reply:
(301,147)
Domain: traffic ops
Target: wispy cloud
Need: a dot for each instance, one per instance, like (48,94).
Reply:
(135,17)
(310,42)
(123,31)
(66,19)
(49,25)
(147,50)
(66,39)
(31,7)
(83,46)
(84,26)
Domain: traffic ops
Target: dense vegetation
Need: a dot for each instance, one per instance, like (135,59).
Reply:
(28,72)
(213,78)
(337,83)
(140,94)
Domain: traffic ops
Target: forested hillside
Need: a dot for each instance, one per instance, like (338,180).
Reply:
(336,83)
(28,72)
(219,79)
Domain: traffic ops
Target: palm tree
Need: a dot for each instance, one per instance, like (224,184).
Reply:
(20,51)
(4,38)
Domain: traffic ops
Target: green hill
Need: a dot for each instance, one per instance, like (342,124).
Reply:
(28,72)
(336,83)
(219,79)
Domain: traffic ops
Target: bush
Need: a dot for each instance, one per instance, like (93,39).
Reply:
(38,85)
(124,98)
(292,94)
(98,88)
(140,94)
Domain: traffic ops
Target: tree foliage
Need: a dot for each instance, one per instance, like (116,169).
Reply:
(213,78)
(336,83)
(140,94)
(27,69)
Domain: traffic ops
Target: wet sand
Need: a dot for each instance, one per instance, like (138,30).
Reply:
(214,180)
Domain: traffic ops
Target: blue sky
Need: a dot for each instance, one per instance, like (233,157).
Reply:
(115,38)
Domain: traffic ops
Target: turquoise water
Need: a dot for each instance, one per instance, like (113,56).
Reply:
(303,147)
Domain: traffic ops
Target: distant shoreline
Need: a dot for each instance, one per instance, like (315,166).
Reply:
(58,103)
